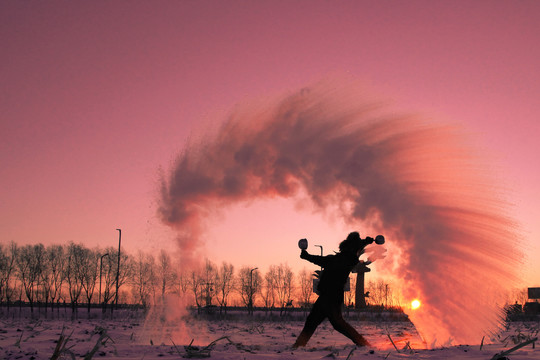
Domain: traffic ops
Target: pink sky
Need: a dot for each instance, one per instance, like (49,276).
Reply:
(98,97)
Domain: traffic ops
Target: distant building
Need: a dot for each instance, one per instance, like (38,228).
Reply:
(532,307)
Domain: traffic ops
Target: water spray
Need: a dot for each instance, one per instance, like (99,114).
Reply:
(421,182)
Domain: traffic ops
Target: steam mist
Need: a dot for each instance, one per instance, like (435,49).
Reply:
(446,224)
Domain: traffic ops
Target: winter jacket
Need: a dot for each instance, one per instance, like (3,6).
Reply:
(336,270)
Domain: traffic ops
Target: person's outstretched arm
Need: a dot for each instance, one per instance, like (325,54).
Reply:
(322,261)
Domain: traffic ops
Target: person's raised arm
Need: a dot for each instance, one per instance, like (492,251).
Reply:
(322,261)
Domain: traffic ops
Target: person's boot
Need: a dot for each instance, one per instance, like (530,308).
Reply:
(361,341)
(302,340)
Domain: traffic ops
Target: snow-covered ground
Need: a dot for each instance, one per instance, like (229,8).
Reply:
(129,336)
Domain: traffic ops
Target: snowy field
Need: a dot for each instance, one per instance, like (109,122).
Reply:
(129,336)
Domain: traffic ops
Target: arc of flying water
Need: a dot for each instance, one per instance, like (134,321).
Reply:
(415,181)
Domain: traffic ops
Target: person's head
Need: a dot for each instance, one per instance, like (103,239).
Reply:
(352,244)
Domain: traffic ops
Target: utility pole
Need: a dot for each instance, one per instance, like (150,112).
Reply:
(317,274)
(118,269)
(321,251)
(250,310)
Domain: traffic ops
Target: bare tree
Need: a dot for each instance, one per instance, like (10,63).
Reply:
(249,284)
(89,273)
(3,272)
(284,284)
(109,273)
(208,278)
(268,290)
(182,281)
(57,263)
(45,283)
(518,296)
(74,274)
(143,279)
(380,293)
(10,285)
(165,273)
(196,285)
(306,287)
(53,275)
(126,271)
(7,268)
(29,263)
(224,283)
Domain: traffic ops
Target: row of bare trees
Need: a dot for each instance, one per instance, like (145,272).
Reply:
(59,273)
(77,275)
(221,285)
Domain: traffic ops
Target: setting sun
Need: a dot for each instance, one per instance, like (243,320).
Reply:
(415,304)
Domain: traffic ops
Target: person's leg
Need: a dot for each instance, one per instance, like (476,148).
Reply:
(337,321)
(315,317)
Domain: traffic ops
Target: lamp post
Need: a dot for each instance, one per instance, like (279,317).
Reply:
(321,251)
(100,266)
(250,306)
(118,269)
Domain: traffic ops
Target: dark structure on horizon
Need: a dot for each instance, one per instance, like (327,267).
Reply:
(360,294)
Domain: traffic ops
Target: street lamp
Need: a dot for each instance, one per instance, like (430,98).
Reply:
(321,251)
(250,310)
(118,269)
(100,266)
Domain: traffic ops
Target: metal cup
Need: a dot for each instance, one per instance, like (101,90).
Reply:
(379,240)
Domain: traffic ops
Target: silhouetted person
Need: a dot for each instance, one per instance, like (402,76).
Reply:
(336,270)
